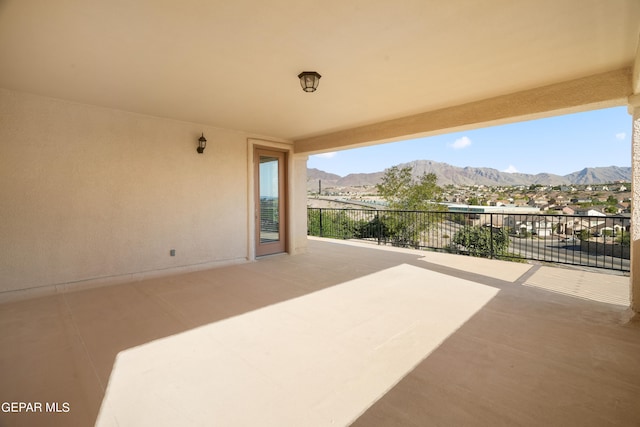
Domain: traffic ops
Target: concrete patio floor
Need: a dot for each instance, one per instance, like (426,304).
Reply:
(517,355)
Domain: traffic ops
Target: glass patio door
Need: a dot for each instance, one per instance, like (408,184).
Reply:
(270,207)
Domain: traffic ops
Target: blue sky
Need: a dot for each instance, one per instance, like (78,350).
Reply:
(559,145)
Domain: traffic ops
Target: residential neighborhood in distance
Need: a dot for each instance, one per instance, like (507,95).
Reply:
(591,191)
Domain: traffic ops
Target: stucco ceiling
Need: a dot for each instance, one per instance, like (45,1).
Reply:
(233,64)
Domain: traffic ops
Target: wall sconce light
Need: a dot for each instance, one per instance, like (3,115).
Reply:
(309,80)
(202,144)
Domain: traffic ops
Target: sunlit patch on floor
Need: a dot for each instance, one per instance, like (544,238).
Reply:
(320,359)
(582,284)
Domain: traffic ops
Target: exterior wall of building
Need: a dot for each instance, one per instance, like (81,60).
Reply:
(93,195)
(298,206)
(634,109)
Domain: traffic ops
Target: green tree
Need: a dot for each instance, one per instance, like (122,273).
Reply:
(478,240)
(404,225)
(376,228)
(611,200)
(335,223)
(403,192)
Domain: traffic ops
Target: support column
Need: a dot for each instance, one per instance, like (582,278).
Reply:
(298,206)
(634,110)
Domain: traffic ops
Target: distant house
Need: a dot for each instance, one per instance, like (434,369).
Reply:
(568,210)
(590,212)
(540,203)
(518,224)
(522,224)
(543,228)
(578,225)
(578,201)
(623,207)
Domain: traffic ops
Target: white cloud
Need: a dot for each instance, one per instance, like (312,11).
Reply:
(511,169)
(460,143)
(327,155)
(621,136)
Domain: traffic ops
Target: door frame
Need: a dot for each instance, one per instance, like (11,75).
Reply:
(253,226)
(280,245)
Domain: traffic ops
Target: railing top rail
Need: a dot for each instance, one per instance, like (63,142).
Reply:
(555,215)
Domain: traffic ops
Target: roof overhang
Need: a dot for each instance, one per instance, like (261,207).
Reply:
(388,69)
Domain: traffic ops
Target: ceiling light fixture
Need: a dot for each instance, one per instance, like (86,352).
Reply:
(309,80)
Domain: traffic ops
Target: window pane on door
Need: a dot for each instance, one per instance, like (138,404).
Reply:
(269,200)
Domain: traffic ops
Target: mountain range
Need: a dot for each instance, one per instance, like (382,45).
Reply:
(448,174)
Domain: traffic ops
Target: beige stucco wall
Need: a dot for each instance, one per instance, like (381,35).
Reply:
(90,194)
(298,206)
(634,109)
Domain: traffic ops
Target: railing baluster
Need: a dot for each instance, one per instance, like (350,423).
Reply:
(491,253)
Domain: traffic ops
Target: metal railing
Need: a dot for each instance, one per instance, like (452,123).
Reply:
(590,241)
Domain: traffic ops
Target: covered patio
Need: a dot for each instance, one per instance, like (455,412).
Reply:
(121,235)
(399,338)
